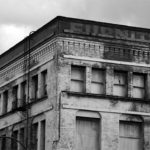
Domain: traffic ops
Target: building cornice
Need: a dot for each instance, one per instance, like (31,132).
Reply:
(106,61)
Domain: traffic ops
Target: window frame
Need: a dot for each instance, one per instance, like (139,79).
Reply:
(35,88)
(138,87)
(82,70)
(5,102)
(15,96)
(103,84)
(44,75)
(131,136)
(125,85)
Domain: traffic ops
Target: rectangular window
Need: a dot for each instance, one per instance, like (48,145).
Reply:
(120,83)
(1,104)
(44,83)
(23,93)
(35,87)
(88,133)
(77,78)
(34,137)
(130,135)
(3,143)
(139,85)
(15,97)
(14,144)
(22,137)
(42,142)
(98,81)
(5,102)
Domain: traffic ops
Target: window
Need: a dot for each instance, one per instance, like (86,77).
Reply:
(130,135)
(3,143)
(34,137)
(15,97)
(77,78)
(42,142)
(44,83)
(120,83)
(14,144)
(88,133)
(35,87)
(1,104)
(23,93)
(22,137)
(5,102)
(139,85)
(98,81)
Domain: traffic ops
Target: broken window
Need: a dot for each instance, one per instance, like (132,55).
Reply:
(120,83)
(44,83)
(138,85)
(15,97)
(88,133)
(98,81)
(35,87)
(130,135)
(5,102)
(77,78)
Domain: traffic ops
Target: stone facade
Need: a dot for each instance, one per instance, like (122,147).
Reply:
(77,80)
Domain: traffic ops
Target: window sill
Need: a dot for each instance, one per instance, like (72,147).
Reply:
(24,107)
(104,96)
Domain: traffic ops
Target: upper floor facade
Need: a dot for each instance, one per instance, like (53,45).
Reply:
(99,58)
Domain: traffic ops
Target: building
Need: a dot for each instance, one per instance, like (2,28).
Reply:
(77,85)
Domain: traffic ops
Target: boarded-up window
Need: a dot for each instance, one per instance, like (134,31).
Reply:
(120,83)
(98,81)
(88,133)
(130,136)
(77,78)
(138,85)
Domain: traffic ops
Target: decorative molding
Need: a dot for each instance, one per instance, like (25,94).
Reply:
(106,61)
(127,54)
(65,106)
(39,55)
(109,51)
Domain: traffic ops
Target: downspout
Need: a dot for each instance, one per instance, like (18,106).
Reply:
(58,101)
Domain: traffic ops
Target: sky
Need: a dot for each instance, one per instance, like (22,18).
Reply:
(19,17)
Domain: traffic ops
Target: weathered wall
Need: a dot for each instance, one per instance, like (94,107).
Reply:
(110,108)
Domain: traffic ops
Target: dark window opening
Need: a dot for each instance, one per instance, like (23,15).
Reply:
(15,97)
(35,87)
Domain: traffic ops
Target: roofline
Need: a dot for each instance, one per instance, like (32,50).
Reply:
(84,21)
(29,36)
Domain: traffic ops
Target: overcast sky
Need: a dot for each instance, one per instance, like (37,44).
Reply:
(19,17)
